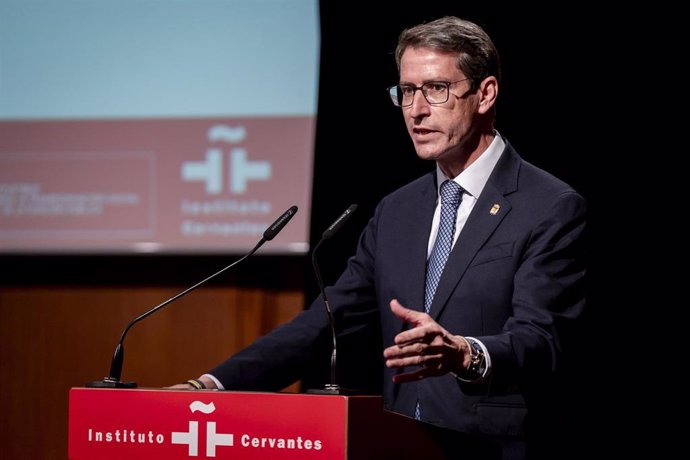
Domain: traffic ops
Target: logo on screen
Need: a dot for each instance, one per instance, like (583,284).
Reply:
(240,169)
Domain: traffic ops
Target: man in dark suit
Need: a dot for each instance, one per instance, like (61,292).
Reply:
(471,339)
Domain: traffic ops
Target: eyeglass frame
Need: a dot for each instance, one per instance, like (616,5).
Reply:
(421,88)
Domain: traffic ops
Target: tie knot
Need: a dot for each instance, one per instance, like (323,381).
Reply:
(450,192)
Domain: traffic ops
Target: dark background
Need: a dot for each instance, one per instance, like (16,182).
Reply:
(556,65)
(556,107)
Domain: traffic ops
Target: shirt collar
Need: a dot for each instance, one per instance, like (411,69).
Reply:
(474,178)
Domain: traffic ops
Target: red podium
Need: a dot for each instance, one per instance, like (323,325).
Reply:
(166,424)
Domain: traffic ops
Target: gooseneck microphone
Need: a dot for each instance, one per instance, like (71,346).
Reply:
(113,379)
(332,387)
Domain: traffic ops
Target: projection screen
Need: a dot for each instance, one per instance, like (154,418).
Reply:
(165,126)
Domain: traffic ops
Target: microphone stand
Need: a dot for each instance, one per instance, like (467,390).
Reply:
(332,387)
(113,379)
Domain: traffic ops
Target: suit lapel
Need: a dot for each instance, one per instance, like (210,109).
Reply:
(421,214)
(489,211)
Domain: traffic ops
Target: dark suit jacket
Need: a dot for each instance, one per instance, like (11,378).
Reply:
(514,280)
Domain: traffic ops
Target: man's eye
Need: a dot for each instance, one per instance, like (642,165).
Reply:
(435,87)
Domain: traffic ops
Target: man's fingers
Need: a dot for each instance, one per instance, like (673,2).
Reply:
(414,355)
(423,347)
(407,361)
(407,315)
(428,332)
(413,349)
(403,358)
(402,351)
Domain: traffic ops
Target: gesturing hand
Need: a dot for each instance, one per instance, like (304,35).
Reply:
(427,345)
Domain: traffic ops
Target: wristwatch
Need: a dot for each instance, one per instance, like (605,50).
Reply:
(477,366)
(477,360)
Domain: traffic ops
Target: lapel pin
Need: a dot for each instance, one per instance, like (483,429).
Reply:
(494,209)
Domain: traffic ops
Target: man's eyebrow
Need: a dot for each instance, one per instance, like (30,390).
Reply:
(430,80)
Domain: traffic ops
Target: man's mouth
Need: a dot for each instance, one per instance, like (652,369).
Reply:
(422,131)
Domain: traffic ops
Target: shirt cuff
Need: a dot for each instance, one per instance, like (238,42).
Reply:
(215,380)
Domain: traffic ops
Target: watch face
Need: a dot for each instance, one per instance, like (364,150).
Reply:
(477,364)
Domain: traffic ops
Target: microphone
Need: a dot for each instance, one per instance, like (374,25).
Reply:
(113,379)
(332,387)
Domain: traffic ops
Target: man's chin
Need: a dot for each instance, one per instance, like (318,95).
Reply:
(424,153)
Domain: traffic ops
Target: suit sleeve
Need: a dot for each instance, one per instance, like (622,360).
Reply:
(285,354)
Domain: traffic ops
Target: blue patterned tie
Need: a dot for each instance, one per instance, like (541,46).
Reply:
(451,193)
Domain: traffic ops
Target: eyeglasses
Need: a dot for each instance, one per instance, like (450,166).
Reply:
(435,92)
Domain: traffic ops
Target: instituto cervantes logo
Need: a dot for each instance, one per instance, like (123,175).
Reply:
(240,169)
(191,437)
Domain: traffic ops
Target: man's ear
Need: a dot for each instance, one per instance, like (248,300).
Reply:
(488,91)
